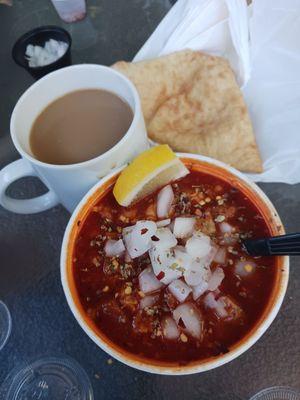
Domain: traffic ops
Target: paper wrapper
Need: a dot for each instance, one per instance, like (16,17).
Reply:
(265,56)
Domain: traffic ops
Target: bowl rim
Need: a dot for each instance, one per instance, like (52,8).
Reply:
(153,366)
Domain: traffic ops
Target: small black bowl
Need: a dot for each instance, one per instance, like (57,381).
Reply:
(39,36)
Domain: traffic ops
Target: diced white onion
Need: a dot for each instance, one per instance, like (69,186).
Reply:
(188,317)
(29,50)
(165,199)
(184,227)
(148,282)
(169,264)
(220,256)
(114,248)
(39,56)
(137,238)
(197,273)
(162,223)
(179,290)
(217,305)
(216,279)
(199,289)
(61,50)
(245,268)
(166,239)
(192,277)
(169,328)
(183,259)
(198,246)
(226,228)
(210,256)
(148,301)
(164,265)
(168,275)
(220,309)
(209,300)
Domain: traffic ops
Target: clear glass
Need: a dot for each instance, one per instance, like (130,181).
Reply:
(48,378)
(70,10)
(5,324)
(277,393)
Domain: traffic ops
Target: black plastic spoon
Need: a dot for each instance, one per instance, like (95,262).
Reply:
(274,246)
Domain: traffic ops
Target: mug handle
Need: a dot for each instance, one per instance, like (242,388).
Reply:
(16,170)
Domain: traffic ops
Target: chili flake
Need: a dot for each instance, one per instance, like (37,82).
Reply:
(128,290)
(183,338)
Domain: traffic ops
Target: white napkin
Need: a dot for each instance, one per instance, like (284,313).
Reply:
(267,67)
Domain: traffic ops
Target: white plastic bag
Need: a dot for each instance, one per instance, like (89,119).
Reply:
(218,27)
(267,67)
(273,92)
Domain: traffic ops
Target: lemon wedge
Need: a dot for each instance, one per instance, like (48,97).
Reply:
(147,172)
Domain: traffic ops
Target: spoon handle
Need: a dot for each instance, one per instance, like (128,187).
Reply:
(274,246)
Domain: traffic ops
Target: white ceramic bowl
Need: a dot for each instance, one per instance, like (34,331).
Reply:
(266,208)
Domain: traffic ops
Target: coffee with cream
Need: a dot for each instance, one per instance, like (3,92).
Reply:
(79,126)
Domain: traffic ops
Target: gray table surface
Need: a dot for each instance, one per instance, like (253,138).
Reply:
(30,244)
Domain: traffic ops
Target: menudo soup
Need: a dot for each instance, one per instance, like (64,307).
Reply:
(181,289)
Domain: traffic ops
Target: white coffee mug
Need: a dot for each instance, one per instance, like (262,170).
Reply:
(67,184)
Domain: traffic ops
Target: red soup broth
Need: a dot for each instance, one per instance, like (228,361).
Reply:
(108,288)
